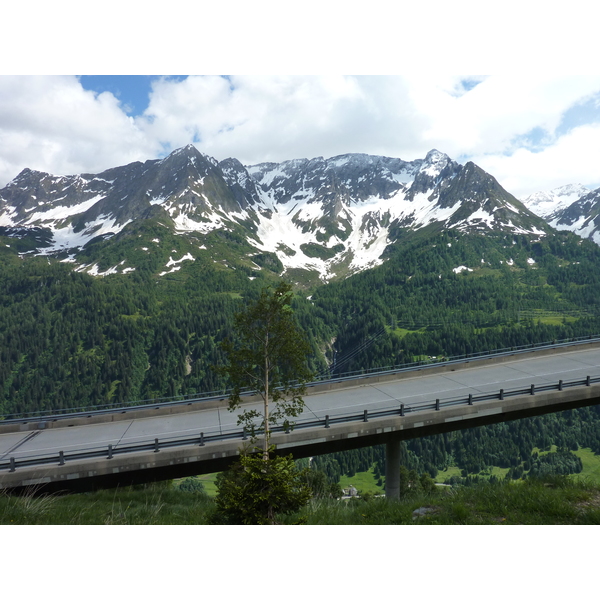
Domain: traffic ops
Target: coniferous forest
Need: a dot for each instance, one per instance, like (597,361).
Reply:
(70,340)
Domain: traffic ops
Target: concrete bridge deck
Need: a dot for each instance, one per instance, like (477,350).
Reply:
(170,441)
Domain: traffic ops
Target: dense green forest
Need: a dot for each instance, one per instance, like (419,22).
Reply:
(68,339)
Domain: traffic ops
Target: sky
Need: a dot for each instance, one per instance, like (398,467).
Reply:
(532,132)
(516,90)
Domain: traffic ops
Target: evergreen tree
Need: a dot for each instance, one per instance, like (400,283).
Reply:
(256,492)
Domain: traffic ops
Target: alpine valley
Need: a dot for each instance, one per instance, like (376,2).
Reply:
(118,287)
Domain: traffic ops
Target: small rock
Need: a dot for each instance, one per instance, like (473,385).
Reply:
(423,511)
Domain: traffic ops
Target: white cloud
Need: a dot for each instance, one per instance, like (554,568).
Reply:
(262,118)
(275,118)
(53,124)
(573,158)
(500,108)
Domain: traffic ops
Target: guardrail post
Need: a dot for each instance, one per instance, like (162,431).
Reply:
(587,381)
(202,439)
(13,468)
(156,445)
(245,435)
(501,394)
(402,410)
(326,421)
(365,418)
(437,404)
(532,391)
(110,451)
(61,458)
(470,401)
(560,385)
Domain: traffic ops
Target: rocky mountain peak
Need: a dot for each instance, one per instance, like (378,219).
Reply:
(332,216)
(550,203)
(436,161)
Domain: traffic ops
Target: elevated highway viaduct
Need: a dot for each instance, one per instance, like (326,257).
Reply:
(164,441)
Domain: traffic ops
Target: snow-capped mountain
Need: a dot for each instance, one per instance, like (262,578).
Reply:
(331,216)
(571,207)
(546,204)
(581,217)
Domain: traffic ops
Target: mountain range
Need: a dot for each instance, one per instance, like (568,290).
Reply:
(315,219)
(571,207)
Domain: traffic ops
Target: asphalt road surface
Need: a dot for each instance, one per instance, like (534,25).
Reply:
(424,388)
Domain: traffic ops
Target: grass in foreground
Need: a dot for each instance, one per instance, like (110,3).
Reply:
(154,504)
(558,501)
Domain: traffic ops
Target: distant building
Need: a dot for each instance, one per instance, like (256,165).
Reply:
(351,491)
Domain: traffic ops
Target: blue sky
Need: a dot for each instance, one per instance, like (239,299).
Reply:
(132,91)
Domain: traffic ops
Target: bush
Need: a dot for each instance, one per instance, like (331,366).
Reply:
(192,484)
(255,491)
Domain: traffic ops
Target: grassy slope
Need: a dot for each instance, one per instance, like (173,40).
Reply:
(569,500)
(364,482)
(563,502)
(591,465)
(556,501)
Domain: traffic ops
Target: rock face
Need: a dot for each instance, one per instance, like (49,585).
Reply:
(331,216)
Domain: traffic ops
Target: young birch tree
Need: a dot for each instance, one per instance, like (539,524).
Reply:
(268,357)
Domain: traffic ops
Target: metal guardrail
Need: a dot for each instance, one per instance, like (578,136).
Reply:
(70,413)
(11,463)
(433,362)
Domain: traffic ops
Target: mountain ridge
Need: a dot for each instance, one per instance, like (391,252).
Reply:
(572,207)
(330,217)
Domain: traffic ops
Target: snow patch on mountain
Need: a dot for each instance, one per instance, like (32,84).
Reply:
(94,269)
(172,262)
(112,271)
(212,220)
(283,232)
(53,215)
(584,226)
(67,237)
(7,218)
(422,210)
(175,264)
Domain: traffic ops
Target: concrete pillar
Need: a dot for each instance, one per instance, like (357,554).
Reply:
(392,470)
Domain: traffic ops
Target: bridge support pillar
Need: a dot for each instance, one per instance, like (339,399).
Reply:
(392,469)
